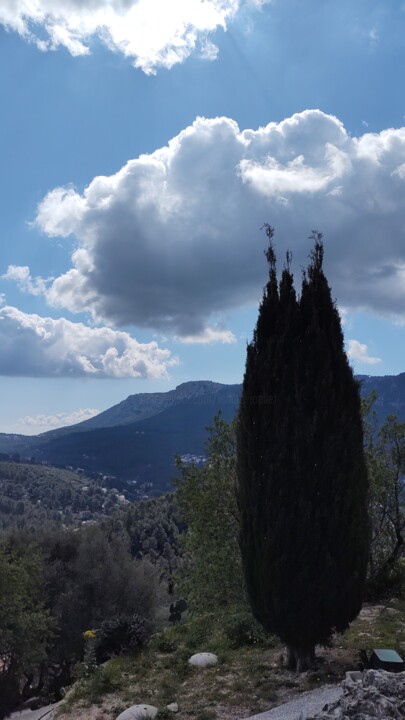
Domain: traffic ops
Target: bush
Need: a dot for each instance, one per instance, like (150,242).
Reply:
(121,635)
(199,629)
(91,689)
(165,645)
(242,629)
(388,582)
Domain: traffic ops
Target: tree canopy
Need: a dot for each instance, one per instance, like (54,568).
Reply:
(212,576)
(25,625)
(302,475)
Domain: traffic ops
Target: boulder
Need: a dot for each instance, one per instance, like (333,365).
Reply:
(173,707)
(203,659)
(377,695)
(138,712)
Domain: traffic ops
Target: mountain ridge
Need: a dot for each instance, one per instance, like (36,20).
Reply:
(166,424)
(143,405)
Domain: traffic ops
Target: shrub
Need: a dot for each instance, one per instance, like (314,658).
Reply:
(242,629)
(121,635)
(389,582)
(91,689)
(199,629)
(166,646)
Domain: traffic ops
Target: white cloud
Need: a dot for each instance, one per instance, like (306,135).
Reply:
(21,275)
(172,239)
(151,33)
(37,346)
(260,3)
(358,352)
(208,336)
(61,419)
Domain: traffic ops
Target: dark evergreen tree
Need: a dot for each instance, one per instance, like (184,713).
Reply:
(302,487)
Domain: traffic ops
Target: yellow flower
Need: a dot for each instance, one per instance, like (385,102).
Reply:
(89,635)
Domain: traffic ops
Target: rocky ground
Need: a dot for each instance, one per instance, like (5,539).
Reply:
(376,695)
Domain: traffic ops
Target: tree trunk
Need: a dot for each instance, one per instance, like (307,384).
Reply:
(301,659)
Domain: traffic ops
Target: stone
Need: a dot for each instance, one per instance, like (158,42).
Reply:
(354,675)
(173,707)
(203,659)
(139,712)
(378,695)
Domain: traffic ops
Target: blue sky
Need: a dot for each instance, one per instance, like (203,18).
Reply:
(143,145)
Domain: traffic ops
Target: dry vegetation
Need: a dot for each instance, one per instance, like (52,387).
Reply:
(248,679)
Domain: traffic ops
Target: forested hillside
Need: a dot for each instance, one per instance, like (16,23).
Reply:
(115,574)
(31,495)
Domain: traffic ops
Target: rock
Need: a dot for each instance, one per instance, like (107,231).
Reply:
(138,712)
(354,675)
(173,707)
(203,659)
(377,695)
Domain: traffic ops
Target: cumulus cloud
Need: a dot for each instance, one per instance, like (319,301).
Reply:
(172,239)
(358,352)
(21,275)
(37,346)
(61,419)
(151,33)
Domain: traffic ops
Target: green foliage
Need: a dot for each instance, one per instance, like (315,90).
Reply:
(385,452)
(166,645)
(34,495)
(122,634)
(91,578)
(153,527)
(91,688)
(199,630)
(85,577)
(383,628)
(241,630)
(24,623)
(212,578)
(301,470)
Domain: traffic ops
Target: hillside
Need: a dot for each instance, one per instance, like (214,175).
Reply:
(35,495)
(251,676)
(143,451)
(138,439)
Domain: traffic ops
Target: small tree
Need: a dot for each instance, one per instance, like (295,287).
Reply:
(301,470)
(25,625)
(212,579)
(385,453)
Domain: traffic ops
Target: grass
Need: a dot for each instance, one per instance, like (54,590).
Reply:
(106,679)
(248,679)
(385,628)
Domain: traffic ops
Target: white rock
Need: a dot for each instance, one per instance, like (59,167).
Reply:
(203,659)
(354,676)
(138,712)
(173,707)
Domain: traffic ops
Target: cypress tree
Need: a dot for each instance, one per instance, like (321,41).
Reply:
(302,480)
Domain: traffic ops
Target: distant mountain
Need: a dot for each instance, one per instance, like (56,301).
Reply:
(172,423)
(144,405)
(390,391)
(138,439)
